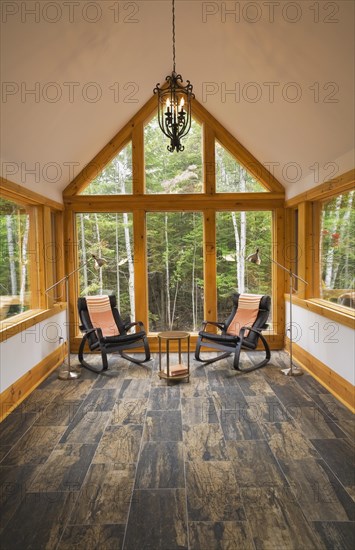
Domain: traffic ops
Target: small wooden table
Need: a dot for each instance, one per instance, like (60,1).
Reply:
(167,337)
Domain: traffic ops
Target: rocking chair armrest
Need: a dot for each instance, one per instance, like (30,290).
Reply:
(131,325)
(90,330)
(243,329)
(86,330)
(213,323)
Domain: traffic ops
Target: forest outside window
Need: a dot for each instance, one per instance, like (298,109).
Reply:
(169,173)
(337,245)
(107,235)
(15,292)
(238,235)
(232,177)
(116,177)
(175,270)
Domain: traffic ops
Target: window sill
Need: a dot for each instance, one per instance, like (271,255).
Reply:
(340,314)
(14,325)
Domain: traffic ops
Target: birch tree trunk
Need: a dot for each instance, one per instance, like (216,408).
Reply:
(10,245)
(99,253)
(174,306)
(118,289)
(347,231)
(24,264)
(330,255)
(194,303)
(130,264)
(83,253)
(243,233)
(167,272)
(240,281)
(121,170)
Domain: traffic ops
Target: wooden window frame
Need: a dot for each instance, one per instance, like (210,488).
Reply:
(309,206)
(41,271)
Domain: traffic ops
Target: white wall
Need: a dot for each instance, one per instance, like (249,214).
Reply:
(327,340)
(331,169)
(25,350)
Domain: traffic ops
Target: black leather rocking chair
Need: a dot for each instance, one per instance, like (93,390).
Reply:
(109,344)
(232,343)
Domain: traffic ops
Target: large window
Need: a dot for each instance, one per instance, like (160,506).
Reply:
(175,228)
(15,296)
(338,250)
(107,235)
(175,270)
(238,235)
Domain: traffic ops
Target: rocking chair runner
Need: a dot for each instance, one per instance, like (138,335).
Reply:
(113,337)
(234,335)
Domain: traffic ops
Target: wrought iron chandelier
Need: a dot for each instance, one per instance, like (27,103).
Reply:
(174,104)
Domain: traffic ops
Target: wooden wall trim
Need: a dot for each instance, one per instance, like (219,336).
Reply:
(306,265)
(278,275)
(138,164)
(197,202)
(14,325)
(210,265)
(341,184)
(19,390)
(48,254)
(140,268)
(14,191)
(336,384)
(209,160)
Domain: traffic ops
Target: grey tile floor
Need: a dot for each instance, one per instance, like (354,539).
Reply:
(227,461)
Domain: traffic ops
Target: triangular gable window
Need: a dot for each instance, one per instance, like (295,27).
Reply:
(232,177)
(115,178)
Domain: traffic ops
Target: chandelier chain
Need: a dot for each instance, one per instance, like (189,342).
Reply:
(173,6)
(174,103)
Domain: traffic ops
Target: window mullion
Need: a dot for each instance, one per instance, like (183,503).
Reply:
(210,265)
(140,266)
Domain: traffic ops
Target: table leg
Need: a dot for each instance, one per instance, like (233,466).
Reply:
(159,340)
(167,357)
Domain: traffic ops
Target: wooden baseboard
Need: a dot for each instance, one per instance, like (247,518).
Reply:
(333,382)
(19,390)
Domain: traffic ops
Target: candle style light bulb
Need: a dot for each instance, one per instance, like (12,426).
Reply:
(168,105)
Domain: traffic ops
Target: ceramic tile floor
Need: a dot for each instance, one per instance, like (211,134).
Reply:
(227,461)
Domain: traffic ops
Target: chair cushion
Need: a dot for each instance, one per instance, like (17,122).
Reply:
(101,316)
(225,339)
(246,314)
(125,338)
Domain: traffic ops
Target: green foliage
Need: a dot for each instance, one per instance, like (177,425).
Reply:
(104,236)
(116,178)
(338,246)
(231,177)
(13,224)
(257,279)
(182,251)
(172,172)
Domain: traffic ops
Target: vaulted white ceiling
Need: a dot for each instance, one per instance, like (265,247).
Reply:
(278,75)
